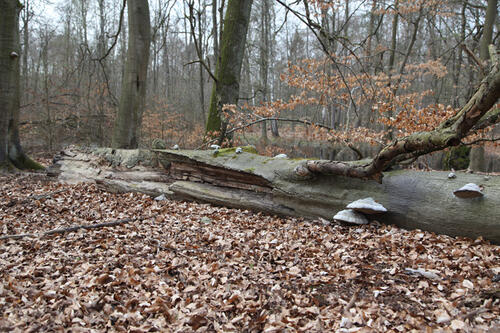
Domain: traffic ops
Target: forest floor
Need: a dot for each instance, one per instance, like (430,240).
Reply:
(179,266)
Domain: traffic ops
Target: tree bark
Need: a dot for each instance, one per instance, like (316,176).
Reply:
(11,152)
(226,89)
(133,95)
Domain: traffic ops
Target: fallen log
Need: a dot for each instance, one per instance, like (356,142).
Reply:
(414,199)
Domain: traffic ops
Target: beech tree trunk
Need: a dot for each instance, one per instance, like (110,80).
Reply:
(133,95)
(227,87)
(11,152)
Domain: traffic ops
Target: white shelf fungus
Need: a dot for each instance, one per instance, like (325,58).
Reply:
(367,206)
(350,216)
(468,191)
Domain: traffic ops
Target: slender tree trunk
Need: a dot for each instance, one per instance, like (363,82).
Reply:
(477,160)
(486,38)
(133,95)
(201,70)
(215,31)
(458,68)
(101,50)
(394,35)
(26,42)
(11,152)
(226,89)
(264,59)
(392,58)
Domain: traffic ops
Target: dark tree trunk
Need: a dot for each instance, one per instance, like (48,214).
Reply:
(11,152)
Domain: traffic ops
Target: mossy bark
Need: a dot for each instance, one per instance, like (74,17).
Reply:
(226,89)
(11,152)
(457,158)
(133,94)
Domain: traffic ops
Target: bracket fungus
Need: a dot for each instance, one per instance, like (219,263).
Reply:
(215,147)
(367,206)
(175,147)
(350,216)
(281,156)
(469,191)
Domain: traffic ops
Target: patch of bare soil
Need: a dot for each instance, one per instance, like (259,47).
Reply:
(181,267)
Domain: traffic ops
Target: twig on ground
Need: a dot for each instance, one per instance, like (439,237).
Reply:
(42,196)
(75,228)
(352,300)
(474,313)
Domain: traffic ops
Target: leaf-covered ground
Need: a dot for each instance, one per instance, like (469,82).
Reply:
(184,267)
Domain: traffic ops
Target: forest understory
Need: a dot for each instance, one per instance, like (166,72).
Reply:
(181,267)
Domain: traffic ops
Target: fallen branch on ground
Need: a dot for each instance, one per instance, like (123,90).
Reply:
(75,228)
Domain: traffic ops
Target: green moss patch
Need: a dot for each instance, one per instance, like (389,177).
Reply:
(457,158)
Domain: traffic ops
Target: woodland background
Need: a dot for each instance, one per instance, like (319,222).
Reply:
(412,63)
(326,79)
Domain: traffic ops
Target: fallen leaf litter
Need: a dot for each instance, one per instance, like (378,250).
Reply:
(194,267)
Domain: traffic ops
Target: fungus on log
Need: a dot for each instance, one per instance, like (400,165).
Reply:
(469,191)
(367,206)
(350,216)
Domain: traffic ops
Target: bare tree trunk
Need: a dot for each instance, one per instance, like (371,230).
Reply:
(133,95)
(226,89)
(458,68)
(202,80)
(477,160)
(264,59)
(394,35)
(26,40)
(11,152)
(486,38)
(215,31)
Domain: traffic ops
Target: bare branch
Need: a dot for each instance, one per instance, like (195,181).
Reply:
(196,44)
(476,60)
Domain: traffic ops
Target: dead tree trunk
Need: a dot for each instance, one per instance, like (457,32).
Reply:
(422,200)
